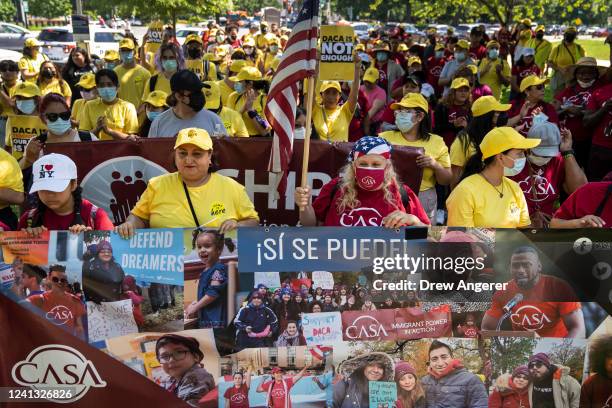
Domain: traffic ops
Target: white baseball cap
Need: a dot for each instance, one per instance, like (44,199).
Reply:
(53,172)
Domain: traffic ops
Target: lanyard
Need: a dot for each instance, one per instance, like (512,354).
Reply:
(195,217)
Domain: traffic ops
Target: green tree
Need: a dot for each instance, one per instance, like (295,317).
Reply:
(510,352)
(50,8)
(570,355)
(7,10)
(252,6)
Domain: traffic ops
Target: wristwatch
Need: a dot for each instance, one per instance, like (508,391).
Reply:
(567,153)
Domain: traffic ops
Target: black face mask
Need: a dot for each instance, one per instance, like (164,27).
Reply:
(569,37)
(502,119)
(539,36)
(233,37)
(264,30)
(47,74)
(194,53)
(197,100)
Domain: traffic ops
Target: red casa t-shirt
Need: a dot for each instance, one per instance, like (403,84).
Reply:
(603,132)
(372,209)
(522,71)
(478,52)
(61,310)
(238,397)
(61,222)
(533,314)
(527,120)
(585,201)
(278,395)
(434,69)
(541,185)
(579,97)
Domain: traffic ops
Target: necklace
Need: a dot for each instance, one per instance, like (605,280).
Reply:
(501,193)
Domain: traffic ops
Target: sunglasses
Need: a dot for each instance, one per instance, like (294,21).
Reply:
(538,87)
(536,364)
(52,117)
(55,279)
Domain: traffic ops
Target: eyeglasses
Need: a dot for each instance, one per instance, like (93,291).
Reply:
(177,355)
(52,117)
(535,364)
(55,279)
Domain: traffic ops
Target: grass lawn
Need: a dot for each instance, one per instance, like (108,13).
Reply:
(594,48)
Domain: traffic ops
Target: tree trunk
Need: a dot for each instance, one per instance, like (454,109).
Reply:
(174,22)
(408,16)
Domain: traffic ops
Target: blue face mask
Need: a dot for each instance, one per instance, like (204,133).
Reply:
(381,56)
(539,118)
(152,115)
(27,106)
(460,56)
(170,65)
(239,87)
(493,54)
(110,65)
(59,127)
(108,94)
(127,56)
(439,54)
(519,165)
(404,121)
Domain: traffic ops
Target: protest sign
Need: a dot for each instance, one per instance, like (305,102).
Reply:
(270,279)
(414,323)
(20,129)
(383,394)
(375,325)
(336,62)
(322,328)
(153,255)
(19,245)
(110,319)
(323,279)
(7,276)
(155,35)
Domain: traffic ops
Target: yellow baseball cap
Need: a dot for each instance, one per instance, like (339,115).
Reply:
(439,47)
(431,30)
(540,28)
(31,42)
(214,57)
(360,47)
(247,74)
(111,55)
(532,80)
(87,81)
(463,44)
(570,29)
(504,138)
(527,22)
(402,47)
(251,42)
(194,136)
(460,83)
(270,41)
(237,65)
(213,95)
(371,75)
(27,90)
(127,43)
(414,60)
(486,104)
(157,99)
(492,44)
(412,100)
(193,37)
(331,85)
(472,68)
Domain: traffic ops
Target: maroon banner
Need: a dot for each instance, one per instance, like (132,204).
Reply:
(114,174)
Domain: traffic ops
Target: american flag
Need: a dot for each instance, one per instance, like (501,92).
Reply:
(298,62)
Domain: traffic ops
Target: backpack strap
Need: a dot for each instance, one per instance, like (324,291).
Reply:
(603,202)
(405,197)
(206,69)
(153,82)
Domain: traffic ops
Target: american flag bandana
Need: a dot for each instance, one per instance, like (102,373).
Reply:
(370,145)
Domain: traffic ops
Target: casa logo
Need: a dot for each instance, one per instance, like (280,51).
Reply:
(366,327)
(361,217)
(368,181)
(56,365)
(436,71)
(238,398)
(60,315)
(278,393)
(514,210)
(537,187)
(217,209)
(530,318)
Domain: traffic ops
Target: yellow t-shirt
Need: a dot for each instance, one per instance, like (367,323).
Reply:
(260,41)
(59,87)
(165,205)
(458,156)
(10,174)
(77,108)
(6,109)
(563,57)
(121,116)
(433,147)
(197,66)
(32,65)
(491,78)
(476,203)
(542,51)
(332,125)
(162,84)
(236,102)
(132,83)
(269,59)
(19,130)
(226,91)
(233,122)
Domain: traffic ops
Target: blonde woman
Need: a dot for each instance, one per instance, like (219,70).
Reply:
(367,193)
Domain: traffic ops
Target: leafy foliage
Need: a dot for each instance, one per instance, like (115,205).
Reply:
(7,10)
(50,8)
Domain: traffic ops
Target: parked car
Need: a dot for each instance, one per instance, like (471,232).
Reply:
(601,32)
(57,42)
(360,28)
(104,40)
(12,36)
(181,34)
(10,55)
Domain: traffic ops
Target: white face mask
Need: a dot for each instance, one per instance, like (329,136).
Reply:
(519,165)
(299,133)
(538,161)
(404,121)
(587,84)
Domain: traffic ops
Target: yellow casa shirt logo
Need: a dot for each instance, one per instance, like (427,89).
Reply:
(514,209)
(217,209)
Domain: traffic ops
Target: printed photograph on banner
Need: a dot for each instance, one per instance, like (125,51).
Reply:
(419,371)
(596,389)
(299,377)
(538,370)
(211,278)
(133,285)
(183,362)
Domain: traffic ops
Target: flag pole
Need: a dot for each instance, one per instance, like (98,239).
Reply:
(309,106)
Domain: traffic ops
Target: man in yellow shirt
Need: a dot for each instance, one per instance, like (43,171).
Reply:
(196,62)
(109,117)
(232,120)
(111,59)
(132,77)
(562,57)
(541,46)
(11,189)
(9,70)
(493,70)
(29,64)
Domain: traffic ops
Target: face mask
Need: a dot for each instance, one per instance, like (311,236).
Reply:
(59,127)
(248,51)
(239,87)
(110,65)
(87,95)
(539,118)
(381,56)
(233,37)
(194,53)
(108,94)
(127,56)
(170,65)
(519,164)
(152,115)
(493,54)
(439,54)
(299,133)
(460,56)
(47,74)
(27,106)
(404,121)
(539,36)
(220,39)
(197,101)
(569,37)
(539,161)
(274,49)
(368,178)
(587,84)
